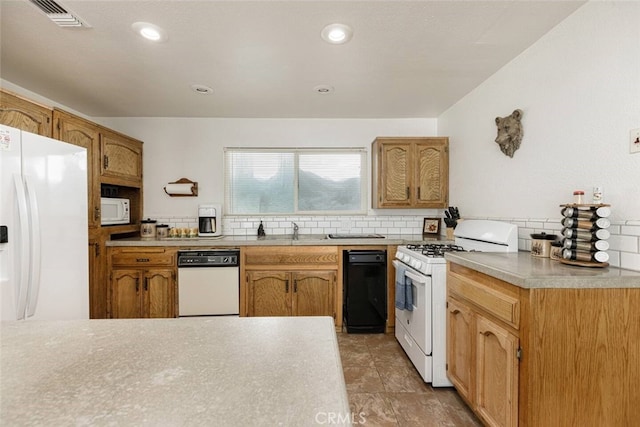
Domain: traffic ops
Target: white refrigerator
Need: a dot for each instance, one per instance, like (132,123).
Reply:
(44,271)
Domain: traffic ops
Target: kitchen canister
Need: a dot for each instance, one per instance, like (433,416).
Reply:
(541,244)
(162,231)
(555,253)
(148,228)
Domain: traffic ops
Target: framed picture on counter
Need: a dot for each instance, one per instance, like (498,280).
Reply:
(431,227)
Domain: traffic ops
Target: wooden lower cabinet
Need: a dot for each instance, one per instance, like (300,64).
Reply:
(289,281)
(496,372)
(142,283)
(142,293)
(551,356)
(277,293)
(460,347)
(482,364)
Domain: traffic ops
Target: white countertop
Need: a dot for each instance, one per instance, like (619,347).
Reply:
(276,240)
(221,371)
(526,271)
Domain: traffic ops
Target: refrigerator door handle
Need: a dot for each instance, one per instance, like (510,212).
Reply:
(23,217)
(36,247)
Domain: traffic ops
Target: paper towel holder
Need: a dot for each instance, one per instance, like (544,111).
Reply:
(194,188)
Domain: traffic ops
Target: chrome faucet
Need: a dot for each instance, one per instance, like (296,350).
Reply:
(295,231)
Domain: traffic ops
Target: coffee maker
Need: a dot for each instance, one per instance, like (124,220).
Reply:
(210,220)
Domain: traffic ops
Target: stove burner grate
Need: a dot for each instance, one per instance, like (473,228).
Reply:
(434,250)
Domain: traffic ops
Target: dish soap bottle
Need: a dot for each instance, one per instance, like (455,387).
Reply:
(261,232)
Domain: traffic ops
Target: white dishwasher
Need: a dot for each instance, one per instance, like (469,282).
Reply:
(208,283)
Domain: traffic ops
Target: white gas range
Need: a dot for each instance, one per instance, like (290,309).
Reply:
(421,292)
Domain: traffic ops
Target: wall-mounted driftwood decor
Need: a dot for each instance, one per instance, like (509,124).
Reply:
(509,132)
(182,188)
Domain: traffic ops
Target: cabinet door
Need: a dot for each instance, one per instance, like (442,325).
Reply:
(460,347)
(269,293)
(126,288)
(98,286)
(496,374)
(25,115)
(314,293)
(159,293)
(394,179)
(82,133)
(432,173)
(121,159)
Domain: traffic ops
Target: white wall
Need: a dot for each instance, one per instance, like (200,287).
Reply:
(193,148)
(579,88)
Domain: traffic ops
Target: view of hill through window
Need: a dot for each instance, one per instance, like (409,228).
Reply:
(295,181)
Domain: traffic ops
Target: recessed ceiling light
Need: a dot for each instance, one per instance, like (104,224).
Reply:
(323,89)
(201,89)
(336,33)
(150,31)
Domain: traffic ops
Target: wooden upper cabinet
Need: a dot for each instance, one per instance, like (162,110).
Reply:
(120,159)
(83,133)
(410,172)
(25,115)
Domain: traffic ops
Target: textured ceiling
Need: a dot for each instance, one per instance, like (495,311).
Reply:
(263,58)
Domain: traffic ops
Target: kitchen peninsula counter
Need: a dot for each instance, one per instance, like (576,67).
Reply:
(529,272)
(276,240)
(188,371)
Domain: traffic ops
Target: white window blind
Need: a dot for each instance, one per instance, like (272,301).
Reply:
(291,181)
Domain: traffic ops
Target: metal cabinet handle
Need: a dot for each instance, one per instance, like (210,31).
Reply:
(96,213)
(105,161)
(408,192)
(146,283)
(137,285)
(286,286)
(295,285)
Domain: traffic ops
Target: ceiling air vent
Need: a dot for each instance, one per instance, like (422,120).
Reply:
(59,14)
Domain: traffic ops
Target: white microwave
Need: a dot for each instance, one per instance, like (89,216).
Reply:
(114,211)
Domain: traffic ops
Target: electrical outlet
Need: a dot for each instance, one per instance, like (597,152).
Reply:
(634,141)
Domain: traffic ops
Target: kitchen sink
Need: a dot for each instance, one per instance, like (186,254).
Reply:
(300,237)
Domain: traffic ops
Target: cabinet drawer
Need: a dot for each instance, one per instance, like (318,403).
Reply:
(502,305)
(314,257)
(159,257)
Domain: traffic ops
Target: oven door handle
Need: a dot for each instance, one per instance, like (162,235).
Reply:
(411,275)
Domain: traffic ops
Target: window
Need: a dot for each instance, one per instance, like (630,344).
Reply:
(295,181)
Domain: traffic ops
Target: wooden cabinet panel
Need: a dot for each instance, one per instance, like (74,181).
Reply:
(98,283)
(159,293)
(396,173)
(289,281)
(313,293)
(460,347)
(496,374)
(504,306)
(143,282)
(482,353)
(125,294)
(432,175)
(121,159)
(144,257)
(410,172)
(269,293)
(25,115)
(80,132)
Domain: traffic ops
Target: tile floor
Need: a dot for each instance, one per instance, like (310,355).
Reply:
(384,386)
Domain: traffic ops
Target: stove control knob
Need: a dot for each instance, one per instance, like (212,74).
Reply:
(413,263)
(418,264)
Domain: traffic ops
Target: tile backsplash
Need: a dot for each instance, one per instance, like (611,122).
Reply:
(624,242)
